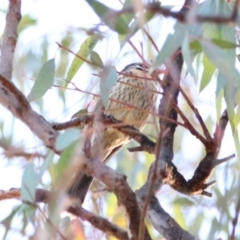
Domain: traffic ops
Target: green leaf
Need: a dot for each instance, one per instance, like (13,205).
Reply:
(28,212)
(237,143)
(26,21)
(134,27)
(8,220)
(85,49)
(64,161)
(119,24)
(46,163)
(66,138)
(29,183)
(195,46)
(221,35)
(179,216)
(96,60)
(107,81)
(219,95)
(229,95)
(187,55)
(208,70)
(99,8)
(171,44)
(219,58)
(224,44)
(44,80)
(114,20)
(237,115)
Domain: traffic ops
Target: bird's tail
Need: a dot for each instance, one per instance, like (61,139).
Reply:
(79,188)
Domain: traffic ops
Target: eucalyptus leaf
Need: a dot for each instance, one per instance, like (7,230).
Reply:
(99,8)
(187,55)
(107,81)
(64,161)
(219,94)
(66,138)
(46,163)
(229,95)
(96,59)
(29,183)
(114,20)
(26,21)
(208,70)
(195,46)
(237,143)
(44,80)
(84,51)
(171,44)
(219,58)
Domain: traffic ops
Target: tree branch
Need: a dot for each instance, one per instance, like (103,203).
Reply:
(44,196)
(18,105)
(10,38)
(116,183)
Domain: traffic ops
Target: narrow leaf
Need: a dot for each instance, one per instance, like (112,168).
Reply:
(96,60)
(187,55)
(237,143)
(44,80)
(195,46)
(219,58)
(229,95)
(114,20)
(99,8)
(83,52)
(208,70)
(219,94)
(107,81)
(66,138)
(29,183)
(171,44)
(64,161)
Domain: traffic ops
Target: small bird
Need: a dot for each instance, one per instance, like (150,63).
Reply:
(132,100)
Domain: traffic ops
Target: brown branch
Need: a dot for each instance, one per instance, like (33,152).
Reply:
(198,116)
(150,39)
(188,125)
(166,171)
(99,222)
(18,105)
(181,15)
(116,183)
(44,196)
(11,151)
(137,52)
(220,128)
(108,120)
(10,38)
(161,220)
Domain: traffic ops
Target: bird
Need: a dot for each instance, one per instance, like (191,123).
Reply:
(131,100)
